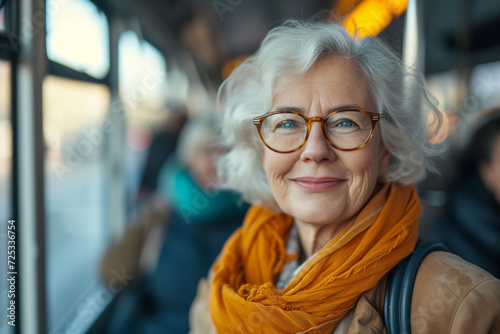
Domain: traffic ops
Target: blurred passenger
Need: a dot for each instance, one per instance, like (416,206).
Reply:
(168,256)
(470,225)
(162,146)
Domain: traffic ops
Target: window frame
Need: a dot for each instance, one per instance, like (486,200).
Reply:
(9,54)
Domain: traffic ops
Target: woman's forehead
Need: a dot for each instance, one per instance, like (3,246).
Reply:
(331,83)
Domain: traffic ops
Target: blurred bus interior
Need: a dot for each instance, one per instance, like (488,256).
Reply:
(84,84)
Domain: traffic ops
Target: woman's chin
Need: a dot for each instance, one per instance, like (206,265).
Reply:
(324,207)
(317,213)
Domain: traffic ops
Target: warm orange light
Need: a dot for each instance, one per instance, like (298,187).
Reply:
(344,7)
(370,17)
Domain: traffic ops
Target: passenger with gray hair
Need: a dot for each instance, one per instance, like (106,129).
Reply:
(167,250)
(327,134)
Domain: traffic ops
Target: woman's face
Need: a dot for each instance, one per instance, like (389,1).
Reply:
(319,184)
(203,166)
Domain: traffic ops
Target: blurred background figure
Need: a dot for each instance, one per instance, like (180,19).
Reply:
(162,146)
(175,240)
(470,224)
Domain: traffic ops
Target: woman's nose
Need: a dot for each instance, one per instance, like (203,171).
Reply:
(317,147)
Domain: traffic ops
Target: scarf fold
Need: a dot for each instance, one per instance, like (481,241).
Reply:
(243,298)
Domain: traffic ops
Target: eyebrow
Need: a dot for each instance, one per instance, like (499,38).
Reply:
(285,109)
(301,111)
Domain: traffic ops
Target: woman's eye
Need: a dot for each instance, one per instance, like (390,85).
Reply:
(345,123)
(288,124)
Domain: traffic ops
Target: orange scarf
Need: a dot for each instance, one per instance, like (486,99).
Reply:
(243,298)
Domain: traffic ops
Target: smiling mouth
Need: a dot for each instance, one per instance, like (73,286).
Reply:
(321,184)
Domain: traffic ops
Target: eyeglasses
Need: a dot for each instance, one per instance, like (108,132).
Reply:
(344,129)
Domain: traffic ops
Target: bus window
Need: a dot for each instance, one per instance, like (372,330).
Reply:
(77,36)
(75,131)
(142,71)
(5,180)
(74,134)
(142,83)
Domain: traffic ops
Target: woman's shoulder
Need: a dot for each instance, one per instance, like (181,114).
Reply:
(446,267)
(452,295)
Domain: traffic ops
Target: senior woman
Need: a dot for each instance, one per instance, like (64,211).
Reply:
(328,133)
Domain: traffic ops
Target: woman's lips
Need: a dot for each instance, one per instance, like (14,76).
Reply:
(314,184)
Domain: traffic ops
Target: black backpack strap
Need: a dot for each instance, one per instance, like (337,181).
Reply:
(399,288)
